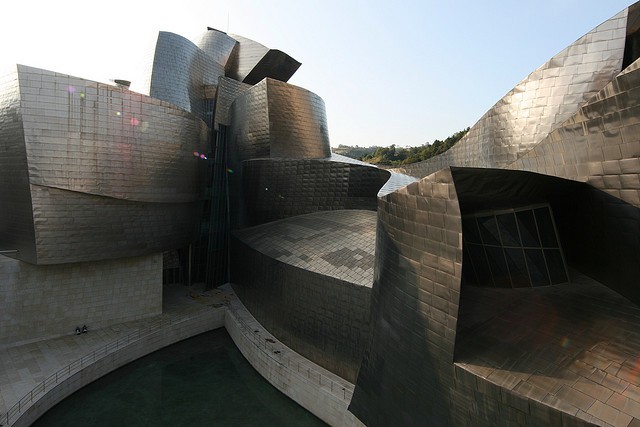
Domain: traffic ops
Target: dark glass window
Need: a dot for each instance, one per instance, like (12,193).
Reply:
(545,227)
(517,267)
(516,248)
(528,230)
(508,229)
(489,230)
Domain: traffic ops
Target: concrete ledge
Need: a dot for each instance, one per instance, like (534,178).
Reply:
(99,363)
(316,389)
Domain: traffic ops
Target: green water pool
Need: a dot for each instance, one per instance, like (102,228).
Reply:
(202,381)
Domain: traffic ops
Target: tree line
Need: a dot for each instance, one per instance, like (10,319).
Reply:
(396,156)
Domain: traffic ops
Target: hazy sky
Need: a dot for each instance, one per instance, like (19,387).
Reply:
(403,72)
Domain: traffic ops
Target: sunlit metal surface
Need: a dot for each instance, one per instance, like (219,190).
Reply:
(180,73)
(309,283)
(228,90)
(276,119)
(280,188)
(218,45)
(539,103)
(97,155)
(252,62)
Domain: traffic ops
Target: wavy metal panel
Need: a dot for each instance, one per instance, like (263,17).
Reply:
(252,62)
(228,91)
(276,119)
(218,45)
(95,138)
(539,103)
(180,73)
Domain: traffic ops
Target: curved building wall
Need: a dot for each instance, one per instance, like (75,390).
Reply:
(321,312)
(407,370)
(16,218)
(539,103)
(280,188)
(218,45)
(228,91)
(276,119)
(92,149)
(180,73)
(600,144)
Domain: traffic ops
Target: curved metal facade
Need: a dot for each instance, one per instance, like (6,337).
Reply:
(107,150)
(252,62)
(218,45)
(180,73)
(280,188)
(276,119)
(539,103)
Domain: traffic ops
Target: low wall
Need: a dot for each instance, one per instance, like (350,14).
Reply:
(99,363)
(319,391)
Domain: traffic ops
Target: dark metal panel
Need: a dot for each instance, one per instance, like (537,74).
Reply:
(251,62)
(16,218)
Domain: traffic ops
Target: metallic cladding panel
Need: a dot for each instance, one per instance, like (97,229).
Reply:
(600,144)
(75,227)
(246,56)
(251,62)
(218,45)
(297,293)
(539,103)
(275,119)
(276,65)
(228,91)
(297,122)
(414,307)
(16,218)
(280,188)
(95,138)
(180,73)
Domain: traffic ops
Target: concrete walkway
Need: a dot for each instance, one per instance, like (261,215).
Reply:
(23,367)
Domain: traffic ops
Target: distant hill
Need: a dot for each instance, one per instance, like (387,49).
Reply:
(396,156)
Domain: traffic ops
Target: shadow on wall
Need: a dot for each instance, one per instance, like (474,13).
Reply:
(399,381)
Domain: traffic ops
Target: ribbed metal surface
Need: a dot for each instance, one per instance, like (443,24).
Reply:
(228,90)
(539,103)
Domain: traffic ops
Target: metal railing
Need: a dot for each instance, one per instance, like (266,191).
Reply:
(77,365)
(273,349)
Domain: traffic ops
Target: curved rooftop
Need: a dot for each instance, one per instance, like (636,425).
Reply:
(339,244)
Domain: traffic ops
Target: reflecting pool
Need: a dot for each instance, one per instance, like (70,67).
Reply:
(202,381)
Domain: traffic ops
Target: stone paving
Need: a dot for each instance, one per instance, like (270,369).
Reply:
(24,366)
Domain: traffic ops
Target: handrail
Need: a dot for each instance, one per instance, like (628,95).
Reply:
(338,389)
(78,364)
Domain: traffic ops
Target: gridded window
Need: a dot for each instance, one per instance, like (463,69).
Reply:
(512,249)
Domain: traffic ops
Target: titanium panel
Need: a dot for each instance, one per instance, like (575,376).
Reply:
(76,227)
(600,144)
(217,45)
(228,91)
(320,316)
(95,138)
(276,119)
(407,372)
(252,62)
(539,103)
(16,220)
(180,73)
(280,188)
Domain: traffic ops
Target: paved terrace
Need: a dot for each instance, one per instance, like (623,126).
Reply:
(23,367)
(573,347)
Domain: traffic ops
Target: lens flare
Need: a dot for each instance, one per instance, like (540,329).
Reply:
(134,121)
(71,89)
(118,113)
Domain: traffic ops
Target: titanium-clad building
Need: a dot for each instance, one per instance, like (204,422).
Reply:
(498,286)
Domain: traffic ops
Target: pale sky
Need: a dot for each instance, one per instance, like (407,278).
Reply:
(403,72)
